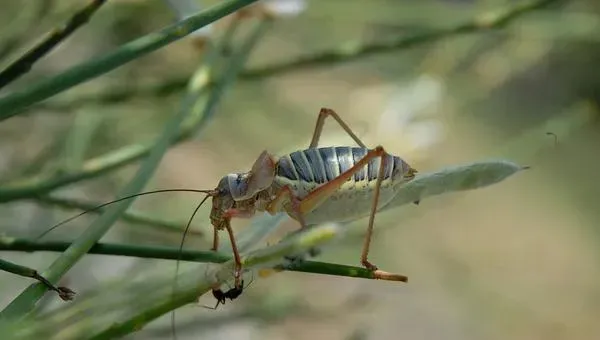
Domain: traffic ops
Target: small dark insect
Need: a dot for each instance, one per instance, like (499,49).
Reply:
(231,294)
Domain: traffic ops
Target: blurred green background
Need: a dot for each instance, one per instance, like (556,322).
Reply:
(518,260)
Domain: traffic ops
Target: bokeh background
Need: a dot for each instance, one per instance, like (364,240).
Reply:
(517,260)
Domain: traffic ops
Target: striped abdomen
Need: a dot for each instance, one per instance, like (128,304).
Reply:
(306,170)
(321,165)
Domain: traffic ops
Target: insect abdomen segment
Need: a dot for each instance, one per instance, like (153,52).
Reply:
(321,165)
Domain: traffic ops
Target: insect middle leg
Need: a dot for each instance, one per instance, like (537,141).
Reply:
(229,214)
(286,196)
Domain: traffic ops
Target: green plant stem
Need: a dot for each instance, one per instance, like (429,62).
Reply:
(488,20)
(63,292)
(338,54)
(17,101)
(172,253)
(18,28)
(129,216)
(23,64)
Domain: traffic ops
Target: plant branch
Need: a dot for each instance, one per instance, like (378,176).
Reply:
(172,253)
(23,64)
(342,53)
(64,292)
(19,27)
(481,23)
(15,102)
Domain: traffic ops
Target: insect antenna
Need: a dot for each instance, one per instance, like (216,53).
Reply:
(208,192)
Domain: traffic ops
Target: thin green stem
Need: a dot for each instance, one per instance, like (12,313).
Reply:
(64,292)
(18,28)
(17,101)
(24,63)
(343,53)
(172,253)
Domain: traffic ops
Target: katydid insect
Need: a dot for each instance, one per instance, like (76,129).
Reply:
(314,185)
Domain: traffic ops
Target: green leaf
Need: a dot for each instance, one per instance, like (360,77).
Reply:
(455,178)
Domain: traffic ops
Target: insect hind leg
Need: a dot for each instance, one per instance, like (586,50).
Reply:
(323,114)
(324,192)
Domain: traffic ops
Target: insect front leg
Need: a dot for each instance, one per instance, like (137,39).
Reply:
(236,255)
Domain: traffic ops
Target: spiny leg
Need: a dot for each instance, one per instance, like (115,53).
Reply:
(324,113)
(365,251)
(324,192)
